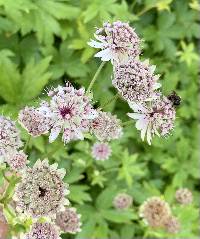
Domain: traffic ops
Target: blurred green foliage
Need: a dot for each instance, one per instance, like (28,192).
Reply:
(44,43)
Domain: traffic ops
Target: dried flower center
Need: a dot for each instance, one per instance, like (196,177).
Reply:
(42,192)
(65,111)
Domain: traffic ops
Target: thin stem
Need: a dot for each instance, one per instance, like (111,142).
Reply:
(27,143)
(4,175)
(127,123)
(95,77)
(110,101)
(144,11)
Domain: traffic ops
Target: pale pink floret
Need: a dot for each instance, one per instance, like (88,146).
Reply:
(43,230)
(9,137)
(136,80)
(71,113)
(17,160)
(101,151)
(155,118)
(117,41)
(35,120)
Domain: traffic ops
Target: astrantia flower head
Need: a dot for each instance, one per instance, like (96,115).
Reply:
(41,191)
(71,113)
(43,230)
(106,127)
(122,201)
(101,151)
(172,225)
(117,41)
(156,117)
(34,120)
(17,160)
(9,136)
(184,196)
(135,80)
(155,211)
(69,220)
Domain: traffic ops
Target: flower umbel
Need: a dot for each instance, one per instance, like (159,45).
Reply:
(69,220)
(71,112)
(117,41)
(184,196)
(122,201)
(155,211)
(135,80)
(106,127)
(156,117)
(101,151)
(43,230)
(172,225)
(41,191)
(17,160)
(9,136)
(34,120)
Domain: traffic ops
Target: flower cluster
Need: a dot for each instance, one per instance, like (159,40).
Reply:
(122,201)
(157,214)
(184,196)
(135,80)
(41,191)
(43,230)
(101,151)
(9,137)
(69,220)
(106,127)
(117,41)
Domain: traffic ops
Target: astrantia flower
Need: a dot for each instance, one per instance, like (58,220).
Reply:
(17,160)
(135,80)
(9,136)
(184,196)
(43,230)
(156,117)
(106,127)
(117,42)
(41,191)
(155,211)
(122,201)
(101,151)
(172,225)
(71,112)
(69,220)
(34,120)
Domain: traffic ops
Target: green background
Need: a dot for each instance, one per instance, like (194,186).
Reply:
(43,43)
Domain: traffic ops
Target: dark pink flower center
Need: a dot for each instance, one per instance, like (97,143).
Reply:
(65,111)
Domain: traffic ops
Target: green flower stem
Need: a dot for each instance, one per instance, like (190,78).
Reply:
(4,175)
(110,101)
(143,11)
(27,143)
(95,77)
(7,196)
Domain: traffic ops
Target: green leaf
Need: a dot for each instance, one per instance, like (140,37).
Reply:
(35,77)
(78,194)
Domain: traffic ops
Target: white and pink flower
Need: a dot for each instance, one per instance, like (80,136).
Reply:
(117,41)
(153,118)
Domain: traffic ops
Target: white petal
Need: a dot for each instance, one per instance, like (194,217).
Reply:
(136,115)
(144,129)
(54,134)
(95,44)
(141,123)
(156,86)
(105,55)
(137,107)
(149,137)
